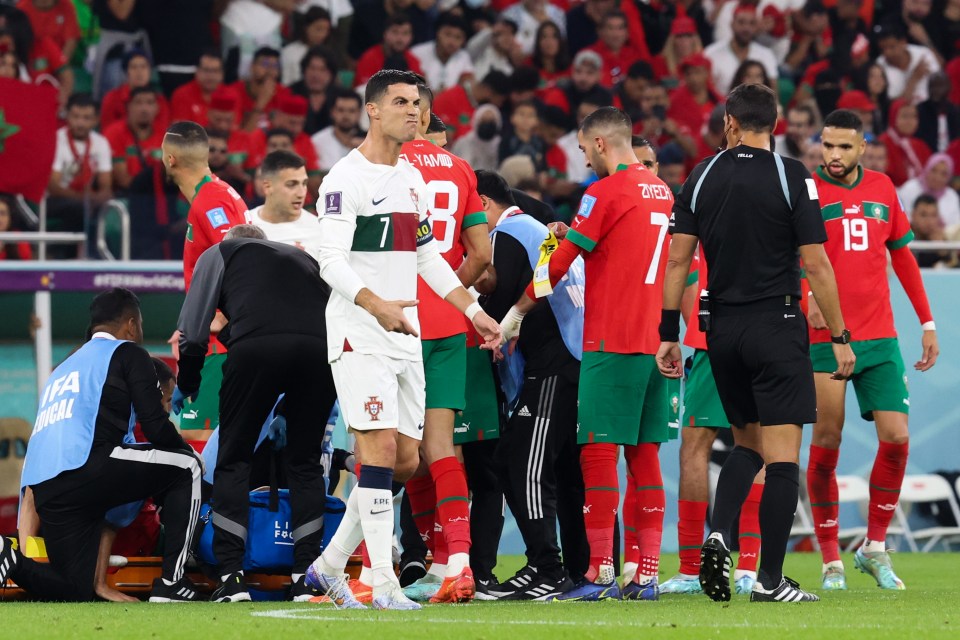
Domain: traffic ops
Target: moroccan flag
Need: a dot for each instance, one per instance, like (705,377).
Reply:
(28,137)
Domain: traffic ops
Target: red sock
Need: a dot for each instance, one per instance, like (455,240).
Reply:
(631,545)
(453,503)
(644,463)
(423,504)
(602,497)
(885,481)
(750,530)
(693,515)
(823,492)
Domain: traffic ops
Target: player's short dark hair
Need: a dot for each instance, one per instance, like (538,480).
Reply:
(82,100)
(115,305)
(277,161)
(188,134)
(611,119)
(923,198)
(139,91)
(492,185)
(426,93)
(844,119)
(398,19)
(265,52)
(329,58)
(448,19)
(245,231)
(436,124)
(382,80)
(640,141)
(278,131)
(754,106)
(164,372)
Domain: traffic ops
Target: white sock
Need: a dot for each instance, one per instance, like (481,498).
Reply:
(836,564)
(437,570)
(344,542)
(456,563)
(874,546)
(366,576)
(739,573)
(605,575)
(295,577)
(376,518)
(642,578)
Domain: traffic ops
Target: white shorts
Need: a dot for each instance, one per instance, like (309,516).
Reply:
(379,392)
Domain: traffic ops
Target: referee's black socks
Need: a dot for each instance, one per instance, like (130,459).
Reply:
(777,509)
(733,486)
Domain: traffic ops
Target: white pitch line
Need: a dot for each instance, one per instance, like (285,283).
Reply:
(321,616)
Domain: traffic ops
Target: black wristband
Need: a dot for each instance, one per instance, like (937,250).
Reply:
(670,325)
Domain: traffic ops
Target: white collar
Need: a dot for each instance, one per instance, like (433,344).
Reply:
(104,335)
(507,213)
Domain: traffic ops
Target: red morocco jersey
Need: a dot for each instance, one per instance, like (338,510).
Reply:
(693,337)
(622,227)
(453,205)
(863,221)
(215,208)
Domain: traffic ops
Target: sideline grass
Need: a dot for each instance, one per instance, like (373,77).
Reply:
(928,610)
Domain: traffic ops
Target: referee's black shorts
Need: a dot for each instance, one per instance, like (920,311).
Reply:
(760,355)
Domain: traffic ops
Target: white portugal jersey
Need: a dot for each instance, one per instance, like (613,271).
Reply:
(376,215)
(303,233)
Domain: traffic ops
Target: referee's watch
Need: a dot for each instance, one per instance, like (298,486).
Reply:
(843,338)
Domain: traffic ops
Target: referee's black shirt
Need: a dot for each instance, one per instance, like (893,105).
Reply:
(262,287)
(749,231)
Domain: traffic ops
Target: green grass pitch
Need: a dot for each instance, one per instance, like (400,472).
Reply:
(929,609)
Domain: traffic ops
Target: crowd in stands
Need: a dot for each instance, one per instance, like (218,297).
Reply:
(512,81)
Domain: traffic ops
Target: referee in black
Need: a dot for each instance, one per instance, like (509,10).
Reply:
(756,216)
(274,299)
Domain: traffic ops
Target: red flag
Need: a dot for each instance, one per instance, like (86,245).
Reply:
(28,137)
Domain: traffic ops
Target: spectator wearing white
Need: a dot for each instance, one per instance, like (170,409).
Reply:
(935,182)
(727,55)
(907,65)
(283,175)
(528,15)
(82,163)
(334,142)
(801,124)
(444,61)
(496,49)
(249,25)
(480,147)
(313,30)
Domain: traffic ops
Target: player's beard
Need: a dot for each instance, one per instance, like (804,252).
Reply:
(847,170)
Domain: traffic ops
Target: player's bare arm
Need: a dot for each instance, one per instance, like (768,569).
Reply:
(479,254)
(679,258)
(823,284)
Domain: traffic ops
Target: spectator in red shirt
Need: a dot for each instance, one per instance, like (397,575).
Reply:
(135,142)
(261,92)
(692,102)
(615,49)
(38,55)
(397,38)
(456,105)
(54,19)
(551,56)
(290,115)
(906,154)
(16,250)
(192,100)
(683,41)
(139,70)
